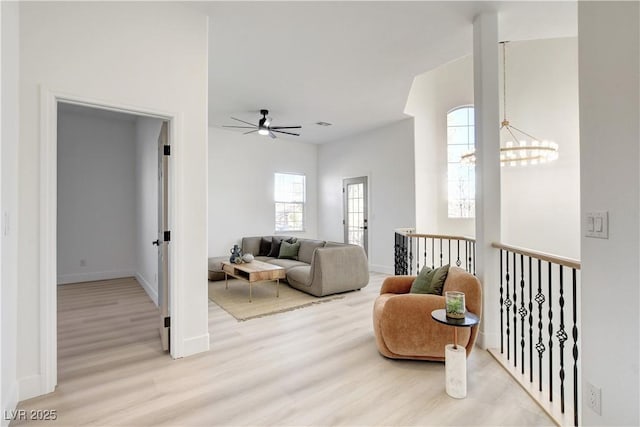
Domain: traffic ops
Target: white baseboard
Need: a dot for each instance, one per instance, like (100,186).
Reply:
(153,294)
(29,387)
(195,345)
(385,269)
(64,279)
(9,403)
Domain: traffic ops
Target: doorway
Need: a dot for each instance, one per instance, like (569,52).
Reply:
(355,195)
(112,201)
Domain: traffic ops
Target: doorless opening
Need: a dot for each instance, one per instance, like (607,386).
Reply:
(48,226)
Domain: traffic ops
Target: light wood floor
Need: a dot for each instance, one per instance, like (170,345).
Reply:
(314,366)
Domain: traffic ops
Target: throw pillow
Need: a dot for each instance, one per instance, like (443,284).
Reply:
(265,246)
(439,277)
(275,247)
(289,250)
(422,283)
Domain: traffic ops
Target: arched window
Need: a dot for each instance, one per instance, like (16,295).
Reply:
(461,178)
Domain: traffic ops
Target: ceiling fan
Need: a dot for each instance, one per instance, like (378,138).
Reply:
(264,126)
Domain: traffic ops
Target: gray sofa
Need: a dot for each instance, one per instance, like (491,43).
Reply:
(322,268)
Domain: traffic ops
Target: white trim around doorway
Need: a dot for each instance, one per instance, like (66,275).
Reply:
(49,100)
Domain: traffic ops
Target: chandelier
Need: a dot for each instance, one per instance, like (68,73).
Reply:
(521,148)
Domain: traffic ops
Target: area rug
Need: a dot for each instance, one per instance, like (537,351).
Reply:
(235,300)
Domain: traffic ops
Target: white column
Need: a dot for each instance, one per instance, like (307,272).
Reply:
(487,120)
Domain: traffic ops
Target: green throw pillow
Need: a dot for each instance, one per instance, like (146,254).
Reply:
(430,281)
(422,283)
(289,250)
(439,277)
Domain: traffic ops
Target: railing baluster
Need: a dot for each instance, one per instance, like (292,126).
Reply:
(523,313)
(515,304)
(425,251)
(440,252)
(530,322)
(550,338)
(458,263)
(501,308)
(433,253)
(410,257)
(540,345)
(575,349)
(449,245)
(562,337)
(507,303)
(418,256)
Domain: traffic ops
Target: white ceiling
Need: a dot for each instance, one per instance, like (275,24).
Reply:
(347,63)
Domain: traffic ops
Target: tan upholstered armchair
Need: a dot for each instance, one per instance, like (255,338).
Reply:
(402,321)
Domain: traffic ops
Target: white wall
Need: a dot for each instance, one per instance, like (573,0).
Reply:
(432,96)
(9,202)
(96,196)
(540,204)
(151,56)
(146,147)
(608,34)
(385,156)
(241,174)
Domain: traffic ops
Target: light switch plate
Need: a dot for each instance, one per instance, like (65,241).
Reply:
(597,225)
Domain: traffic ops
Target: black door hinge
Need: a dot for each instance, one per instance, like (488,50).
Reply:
(167,150)
(167,236)
(167,322)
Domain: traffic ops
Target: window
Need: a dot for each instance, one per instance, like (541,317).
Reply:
(461,176)
(290,197)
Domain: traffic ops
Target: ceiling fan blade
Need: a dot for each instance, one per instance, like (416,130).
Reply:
(288,133)
(272,135)
(286,127)
(243,121)
(240,127)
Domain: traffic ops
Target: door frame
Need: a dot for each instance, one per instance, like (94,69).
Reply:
(49,100)
(345,182)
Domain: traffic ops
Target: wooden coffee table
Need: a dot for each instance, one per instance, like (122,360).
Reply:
(253,272)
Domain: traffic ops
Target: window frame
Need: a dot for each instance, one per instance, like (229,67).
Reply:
(287,203)
(468,212)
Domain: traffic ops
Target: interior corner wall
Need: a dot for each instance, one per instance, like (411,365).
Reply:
(96,197)
(9,201)
(608,34)
(152,56)
(432,96)
(147,131)
(241,186)
(540,204)
(385,156)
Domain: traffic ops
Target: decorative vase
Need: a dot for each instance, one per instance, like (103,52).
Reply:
(236,253)
(247,257)
(454,304)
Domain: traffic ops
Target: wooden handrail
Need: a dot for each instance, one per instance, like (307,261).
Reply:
(567,262)
(404,232)
(441,236)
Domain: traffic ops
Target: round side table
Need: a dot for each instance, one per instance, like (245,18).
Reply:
(455,357)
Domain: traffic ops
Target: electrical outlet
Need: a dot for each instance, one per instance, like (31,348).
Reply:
(594,395)
(83,263)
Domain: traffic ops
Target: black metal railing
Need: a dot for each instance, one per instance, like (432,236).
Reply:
(414,251)
(543,287)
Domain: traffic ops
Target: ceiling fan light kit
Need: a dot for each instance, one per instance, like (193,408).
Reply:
(264,126)
(521,148)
